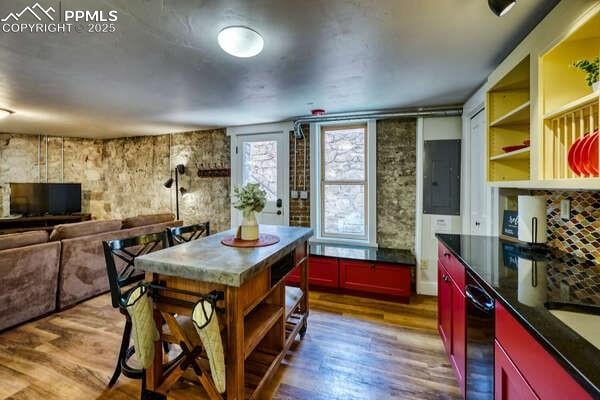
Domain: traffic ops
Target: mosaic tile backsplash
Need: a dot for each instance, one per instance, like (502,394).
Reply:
(579,236)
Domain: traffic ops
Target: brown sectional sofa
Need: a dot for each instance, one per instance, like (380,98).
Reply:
(28,277)
(40,273)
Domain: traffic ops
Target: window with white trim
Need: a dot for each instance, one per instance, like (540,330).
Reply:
(343,182)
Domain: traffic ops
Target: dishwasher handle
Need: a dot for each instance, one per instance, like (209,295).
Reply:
(479,298)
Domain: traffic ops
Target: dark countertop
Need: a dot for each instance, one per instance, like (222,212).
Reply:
(562,280)
(363,253)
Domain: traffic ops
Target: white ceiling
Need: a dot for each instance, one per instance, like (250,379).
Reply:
(164,72)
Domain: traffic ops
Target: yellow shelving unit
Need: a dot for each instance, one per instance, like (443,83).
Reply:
(508,113)
(570,109)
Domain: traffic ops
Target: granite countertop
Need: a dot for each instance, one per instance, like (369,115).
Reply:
(562,281)
(363,253)
(208,260)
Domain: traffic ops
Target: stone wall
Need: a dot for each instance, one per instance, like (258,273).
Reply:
(396,182)
(124,177)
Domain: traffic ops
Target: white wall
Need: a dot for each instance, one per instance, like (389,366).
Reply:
(431,129)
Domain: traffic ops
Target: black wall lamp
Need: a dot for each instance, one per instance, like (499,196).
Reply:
(179,170)
(501,7)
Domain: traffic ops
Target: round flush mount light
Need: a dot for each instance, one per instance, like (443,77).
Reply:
(501,7)
(5,113)
(240,41)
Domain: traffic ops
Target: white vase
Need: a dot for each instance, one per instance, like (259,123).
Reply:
(596,86)
(249,230)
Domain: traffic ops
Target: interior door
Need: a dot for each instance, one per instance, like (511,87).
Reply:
(478,186)
(261,159)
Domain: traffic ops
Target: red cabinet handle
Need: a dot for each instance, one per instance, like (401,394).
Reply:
(447,254)
(446,278)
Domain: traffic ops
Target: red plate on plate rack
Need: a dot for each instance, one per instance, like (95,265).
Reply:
(581,156)
(571,156)
(590,154)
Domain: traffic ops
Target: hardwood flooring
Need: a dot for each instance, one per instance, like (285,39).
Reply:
(355,348)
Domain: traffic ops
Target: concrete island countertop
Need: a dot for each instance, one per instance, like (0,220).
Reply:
(208,260)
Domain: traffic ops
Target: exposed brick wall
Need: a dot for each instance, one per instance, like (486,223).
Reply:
(300,209)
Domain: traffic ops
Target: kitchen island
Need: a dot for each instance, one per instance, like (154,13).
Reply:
(259,316)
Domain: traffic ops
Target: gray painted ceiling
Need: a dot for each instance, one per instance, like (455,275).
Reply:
(162,71)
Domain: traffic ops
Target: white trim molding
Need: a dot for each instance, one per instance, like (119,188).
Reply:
(237,133)
(315,184)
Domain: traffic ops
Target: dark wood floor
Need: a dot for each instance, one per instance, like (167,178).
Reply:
(355,348)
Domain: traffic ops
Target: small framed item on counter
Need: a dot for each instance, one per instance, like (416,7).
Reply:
(510,224)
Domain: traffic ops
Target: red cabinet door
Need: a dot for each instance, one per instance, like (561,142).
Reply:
(445,308)
(375,278)
(535,364)
(459,337)
(323,271)
(509,384)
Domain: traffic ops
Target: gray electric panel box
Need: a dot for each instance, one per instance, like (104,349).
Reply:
(441,177)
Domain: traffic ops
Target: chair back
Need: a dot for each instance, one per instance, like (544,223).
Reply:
(120,255)
(183,234)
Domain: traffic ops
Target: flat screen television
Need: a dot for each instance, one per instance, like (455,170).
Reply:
(33,199)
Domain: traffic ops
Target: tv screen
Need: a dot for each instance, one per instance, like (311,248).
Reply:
(28,198)
(33,199)
(64,198)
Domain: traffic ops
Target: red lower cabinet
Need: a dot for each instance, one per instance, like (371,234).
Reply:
(445,308)
(452,320)
(543,374)
(458,355)
(375,278)
(322,272)
(509,384)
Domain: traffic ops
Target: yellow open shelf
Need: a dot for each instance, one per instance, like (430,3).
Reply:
(521,154)
(508,110)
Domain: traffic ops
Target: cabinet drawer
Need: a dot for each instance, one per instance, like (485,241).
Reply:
(453,266)
(392,280)
(528,355)
(323,271)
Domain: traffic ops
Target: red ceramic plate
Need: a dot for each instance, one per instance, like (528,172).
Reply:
(508,149)
(590,154)
(571,157)
(580,156)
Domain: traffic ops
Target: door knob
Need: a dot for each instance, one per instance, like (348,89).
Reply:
(278,212)
(279,203)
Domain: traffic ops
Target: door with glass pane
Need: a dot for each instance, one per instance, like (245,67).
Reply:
(261,159)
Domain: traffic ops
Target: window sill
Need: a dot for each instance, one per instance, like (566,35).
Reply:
(354,242)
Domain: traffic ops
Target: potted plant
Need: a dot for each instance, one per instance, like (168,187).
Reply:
(591,70)
(251,199)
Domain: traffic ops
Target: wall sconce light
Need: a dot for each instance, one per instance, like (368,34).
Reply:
(179,170)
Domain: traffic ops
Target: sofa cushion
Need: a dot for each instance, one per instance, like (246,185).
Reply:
(14,240)
(69,231)
(149,219)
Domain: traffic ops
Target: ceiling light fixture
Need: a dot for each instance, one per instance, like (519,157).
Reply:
(240,41)
(5,113)
(501,7)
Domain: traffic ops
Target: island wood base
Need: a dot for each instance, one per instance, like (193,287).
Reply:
(259,321)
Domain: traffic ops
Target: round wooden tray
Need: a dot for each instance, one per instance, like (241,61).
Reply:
(264,239)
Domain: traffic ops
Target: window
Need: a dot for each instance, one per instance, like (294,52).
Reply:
(343,182)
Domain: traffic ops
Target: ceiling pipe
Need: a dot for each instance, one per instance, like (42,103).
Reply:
(442,111)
